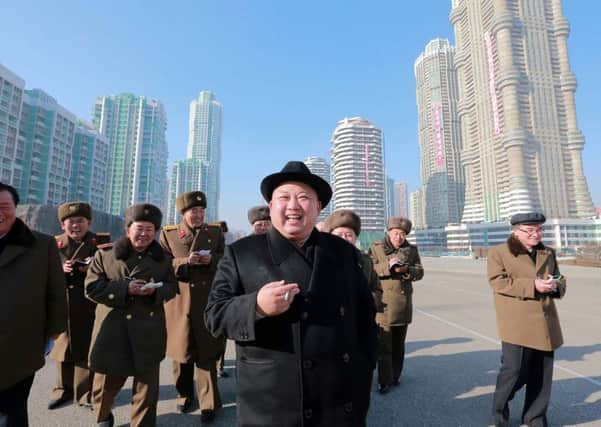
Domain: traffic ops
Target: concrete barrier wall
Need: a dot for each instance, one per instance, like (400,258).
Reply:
(43,218)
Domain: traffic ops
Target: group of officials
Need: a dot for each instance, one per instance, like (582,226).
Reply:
(311,315)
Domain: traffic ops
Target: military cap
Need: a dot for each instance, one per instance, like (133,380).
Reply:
(528,218)
(399,222)
(221,224)
(70,209)
(296,171)
(258,213)
(343,218)
(143,212)
(189,200)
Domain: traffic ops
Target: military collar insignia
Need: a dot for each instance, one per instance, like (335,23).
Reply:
(60,244)
(182,233)
(93,241)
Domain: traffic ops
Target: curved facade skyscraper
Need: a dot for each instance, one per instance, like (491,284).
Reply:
(439,139)
(522,148)
(358,171)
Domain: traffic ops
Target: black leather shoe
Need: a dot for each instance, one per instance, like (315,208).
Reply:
(207,416)
(108,422)
(383,388)
(396,382)
(57,403)
(185,407)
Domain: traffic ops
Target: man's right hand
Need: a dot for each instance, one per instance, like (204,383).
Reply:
(543,286)
(68,266)
(272,300)
(194,258)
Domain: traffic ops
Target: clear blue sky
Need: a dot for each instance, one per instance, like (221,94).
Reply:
(285,72)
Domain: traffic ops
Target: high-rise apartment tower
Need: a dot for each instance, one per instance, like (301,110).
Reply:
(135,127)
(522,148)
(358,171)
(320,167)
(438,132)
(204,144)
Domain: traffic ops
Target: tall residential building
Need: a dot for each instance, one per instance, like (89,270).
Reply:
(389,196)
(204,144)
(42,166)
(89,167)
(439,139)
(416,209)
(358,171)
(186,175)
(11,102)
(522,148)
(320,167)
(135,127)
(400,200)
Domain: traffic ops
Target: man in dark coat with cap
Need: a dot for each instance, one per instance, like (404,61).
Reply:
(259,219)
(298,306)
(398,265)
(195,249)
(33,308)
(76,247)
(130,283)
(525,280)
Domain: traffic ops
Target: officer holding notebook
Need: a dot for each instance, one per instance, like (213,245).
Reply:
(195,248)
(76,247)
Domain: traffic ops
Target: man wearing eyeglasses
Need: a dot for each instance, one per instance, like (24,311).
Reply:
(525,279)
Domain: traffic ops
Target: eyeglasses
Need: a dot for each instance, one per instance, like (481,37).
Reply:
(532,232)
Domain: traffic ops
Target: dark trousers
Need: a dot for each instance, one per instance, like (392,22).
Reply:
(523,366)
(206,384)
(13,404)
(391,353)
(73,379)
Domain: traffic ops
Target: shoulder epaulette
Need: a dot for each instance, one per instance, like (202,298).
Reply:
(103,234)
(170,227)
(105,246)
(378,243)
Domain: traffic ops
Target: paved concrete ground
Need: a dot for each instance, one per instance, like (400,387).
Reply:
(450,370)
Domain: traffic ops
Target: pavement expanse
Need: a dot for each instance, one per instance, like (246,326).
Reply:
(450,368)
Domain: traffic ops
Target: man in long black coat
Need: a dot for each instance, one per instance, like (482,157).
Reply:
(298,306)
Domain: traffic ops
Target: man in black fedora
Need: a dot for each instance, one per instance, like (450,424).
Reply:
(298,306)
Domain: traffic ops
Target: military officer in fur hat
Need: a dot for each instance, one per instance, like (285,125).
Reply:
(195,249)
(398,265)
(259,219)
(130,283)
(346,224)
(76,247)
(525,280)
(298,306)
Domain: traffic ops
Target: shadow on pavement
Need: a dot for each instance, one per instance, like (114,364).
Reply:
(573,354)
(456,390)
(414,346)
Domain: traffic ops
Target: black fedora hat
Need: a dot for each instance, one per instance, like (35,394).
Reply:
(298,172)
